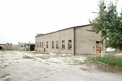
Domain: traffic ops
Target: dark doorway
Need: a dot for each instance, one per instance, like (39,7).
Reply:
(32,47)
(0,48)
(98,47)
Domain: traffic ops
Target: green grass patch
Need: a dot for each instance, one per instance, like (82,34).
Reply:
(112,60)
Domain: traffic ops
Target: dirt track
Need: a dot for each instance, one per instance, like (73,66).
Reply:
(27,66)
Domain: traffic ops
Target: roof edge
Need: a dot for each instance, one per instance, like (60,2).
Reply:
(63,29)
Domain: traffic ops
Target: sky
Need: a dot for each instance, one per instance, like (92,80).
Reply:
(21,20)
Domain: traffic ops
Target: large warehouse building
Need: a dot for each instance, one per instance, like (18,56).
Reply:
(73,40)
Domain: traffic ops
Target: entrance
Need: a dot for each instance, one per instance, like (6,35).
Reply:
(0,48)
(98,47)
(32,47)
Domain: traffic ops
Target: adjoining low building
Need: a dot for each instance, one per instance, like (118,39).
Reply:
(6,46)
(26,46)
(73,40)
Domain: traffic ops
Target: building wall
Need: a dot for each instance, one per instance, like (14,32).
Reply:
(67,35)
(55,38)
(42,45)
(6,46)
(21,46)
(25,46)
(37,45)
(2,46)
(47,44)
(81,40)
(85,40)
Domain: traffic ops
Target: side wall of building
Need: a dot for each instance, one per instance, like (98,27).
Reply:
(52,42)
(76,40)
(7,46)
(37,43)
(55,42)
(26,46)
(85,40)
(67,35)
(46,43)
(41,43)
(21,46)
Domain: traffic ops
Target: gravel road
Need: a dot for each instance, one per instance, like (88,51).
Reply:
(30,66)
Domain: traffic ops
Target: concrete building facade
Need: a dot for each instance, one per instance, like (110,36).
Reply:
(73,40)
(26,46)
(7,46)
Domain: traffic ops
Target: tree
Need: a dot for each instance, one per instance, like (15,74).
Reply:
(109,23)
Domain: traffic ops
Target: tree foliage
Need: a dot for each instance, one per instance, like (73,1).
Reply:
(109,23)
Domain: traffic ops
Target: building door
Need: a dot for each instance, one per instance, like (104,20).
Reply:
(0,47)
(32,47)
(98,47)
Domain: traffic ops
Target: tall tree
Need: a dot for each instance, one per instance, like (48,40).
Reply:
(109,23)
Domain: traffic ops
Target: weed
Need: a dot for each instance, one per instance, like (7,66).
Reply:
(43,57)
(8,79)
(28,57)
(4,75)
(112,60)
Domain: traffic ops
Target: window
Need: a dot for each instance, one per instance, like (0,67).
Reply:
(40,44)
(47,44)
(57,45)
(52,44)
(69,44)
(63,44)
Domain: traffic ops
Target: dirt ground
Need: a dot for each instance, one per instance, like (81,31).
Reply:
(30,66)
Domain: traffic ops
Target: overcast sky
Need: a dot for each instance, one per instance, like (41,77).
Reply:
(21,20)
